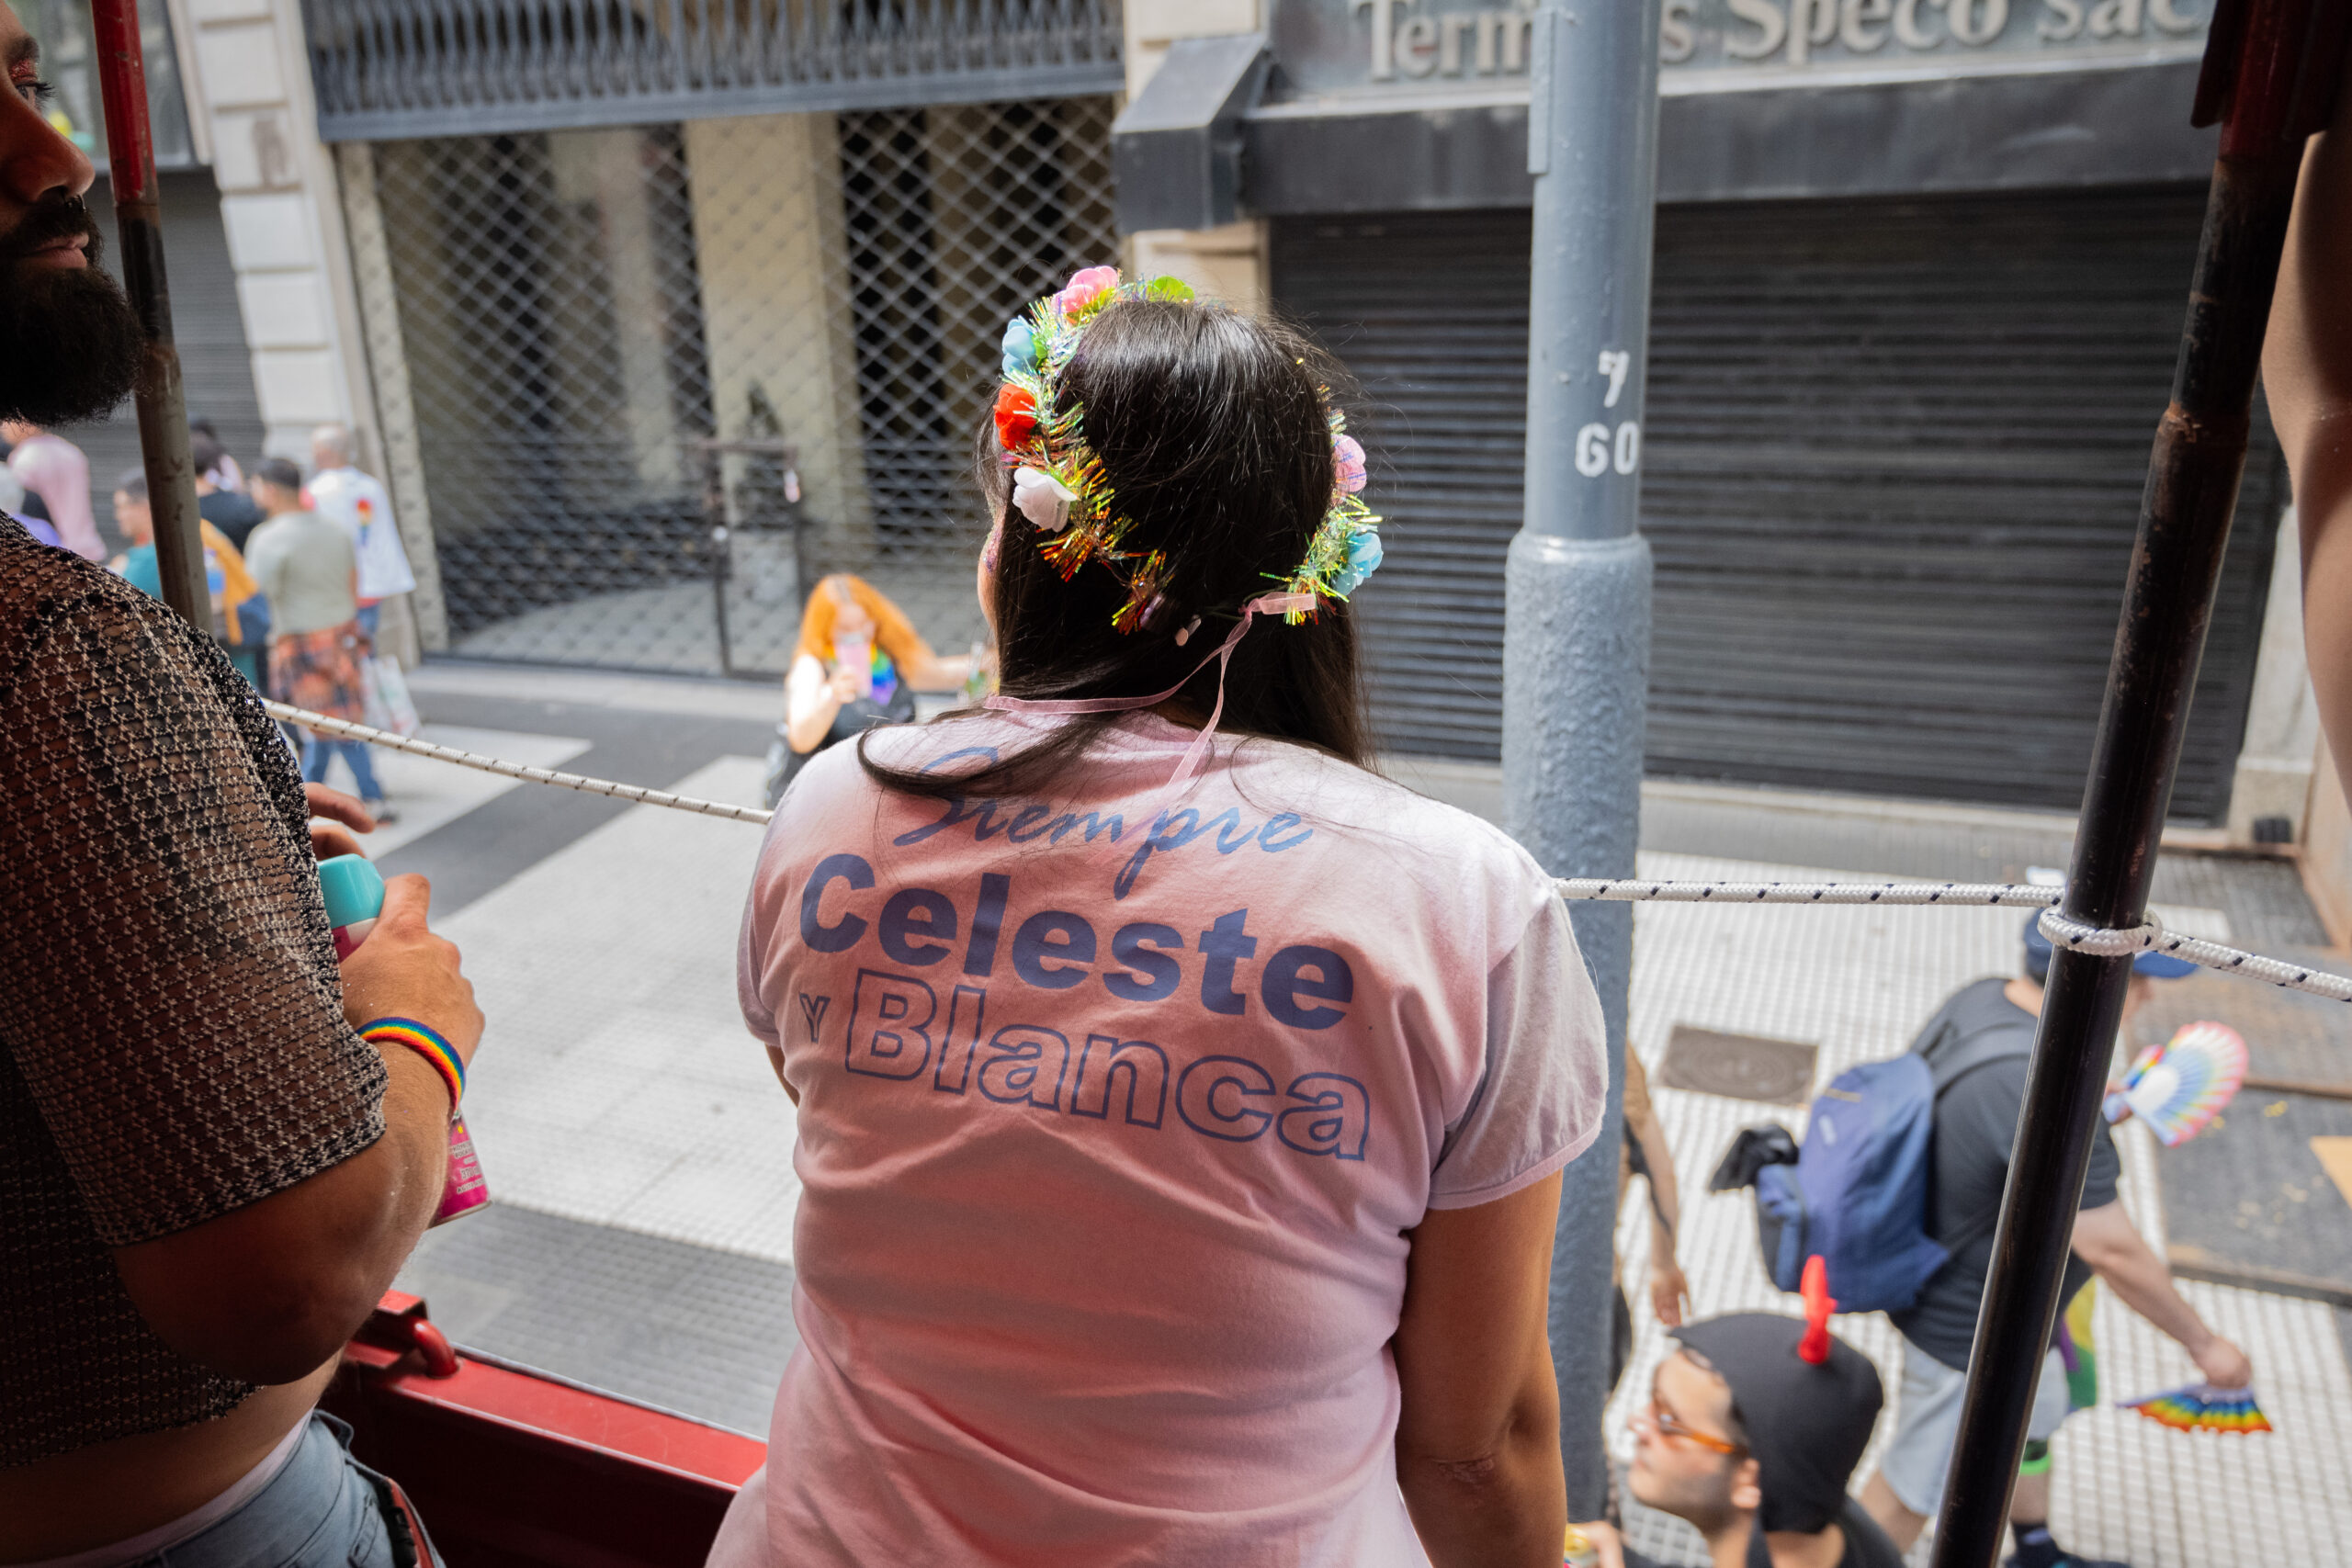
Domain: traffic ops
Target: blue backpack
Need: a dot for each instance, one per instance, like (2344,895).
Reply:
(1857,1195)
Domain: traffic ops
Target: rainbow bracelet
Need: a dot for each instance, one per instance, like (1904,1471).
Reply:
(422,1040)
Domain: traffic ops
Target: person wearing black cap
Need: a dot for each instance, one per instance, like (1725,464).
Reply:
(1993,1020)
(1753,1429)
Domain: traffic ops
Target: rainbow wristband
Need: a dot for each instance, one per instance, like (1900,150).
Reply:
(424,1043)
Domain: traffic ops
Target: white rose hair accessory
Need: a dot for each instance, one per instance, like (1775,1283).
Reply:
(1042,499)
(1060,487)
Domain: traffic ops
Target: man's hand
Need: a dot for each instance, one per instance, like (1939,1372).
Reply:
(1669,1292)
(1606,1542)
(267,1292)
(2224,1364)
(403,970)
(2103,1239)
(327,840)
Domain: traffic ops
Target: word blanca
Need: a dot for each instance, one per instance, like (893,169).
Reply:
(899,1031)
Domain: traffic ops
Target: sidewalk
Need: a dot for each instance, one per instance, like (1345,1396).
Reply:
(639,1147)
(1858,982)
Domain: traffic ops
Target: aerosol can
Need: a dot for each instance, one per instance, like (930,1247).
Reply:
(353,891)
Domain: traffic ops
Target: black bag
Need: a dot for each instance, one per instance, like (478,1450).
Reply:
(857,715)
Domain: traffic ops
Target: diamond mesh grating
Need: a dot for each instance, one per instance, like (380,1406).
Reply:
(662,373)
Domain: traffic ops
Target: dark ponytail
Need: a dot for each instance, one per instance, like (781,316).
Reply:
(1211,427)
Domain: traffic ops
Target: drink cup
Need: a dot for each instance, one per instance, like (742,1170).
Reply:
(353,891)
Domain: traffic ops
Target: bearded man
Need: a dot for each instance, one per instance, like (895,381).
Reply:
(211,1171)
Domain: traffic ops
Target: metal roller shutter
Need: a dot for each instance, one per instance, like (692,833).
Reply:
(1894,457)
(216,367)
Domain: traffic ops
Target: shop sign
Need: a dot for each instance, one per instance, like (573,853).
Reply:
(1345,46)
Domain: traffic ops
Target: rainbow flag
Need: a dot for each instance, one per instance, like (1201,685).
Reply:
(2075,1350)
(2201,1407)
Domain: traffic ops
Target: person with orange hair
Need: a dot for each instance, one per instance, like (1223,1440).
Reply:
(859,663)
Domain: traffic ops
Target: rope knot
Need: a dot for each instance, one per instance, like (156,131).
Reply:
(2100,941)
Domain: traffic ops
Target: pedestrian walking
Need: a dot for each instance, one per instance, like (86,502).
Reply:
(240,613)
(54,469)
(1981,1041)
(229,509)
(355,502)
(308,569)
(222,472)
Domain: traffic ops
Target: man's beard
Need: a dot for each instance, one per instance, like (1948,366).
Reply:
(71,345)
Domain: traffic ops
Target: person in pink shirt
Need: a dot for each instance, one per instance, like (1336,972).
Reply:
(54,469)
(1179,1105)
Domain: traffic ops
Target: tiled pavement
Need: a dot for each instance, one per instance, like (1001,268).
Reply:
(1858,982)
(639,1147)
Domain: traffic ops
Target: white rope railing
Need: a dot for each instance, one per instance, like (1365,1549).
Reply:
(1638,890)
(2062,931)
(2151,937)
(345,729)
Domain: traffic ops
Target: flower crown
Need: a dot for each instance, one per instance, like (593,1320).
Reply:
(1060,487)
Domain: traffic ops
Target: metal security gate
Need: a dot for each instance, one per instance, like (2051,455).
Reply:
(1892,468)
(665,374)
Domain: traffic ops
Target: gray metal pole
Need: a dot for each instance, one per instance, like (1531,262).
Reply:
(1577,593)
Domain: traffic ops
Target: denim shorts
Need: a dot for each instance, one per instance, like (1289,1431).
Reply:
(324,1510)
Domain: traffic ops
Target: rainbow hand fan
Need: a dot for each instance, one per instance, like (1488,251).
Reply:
(2179,1087)
(2201,1407)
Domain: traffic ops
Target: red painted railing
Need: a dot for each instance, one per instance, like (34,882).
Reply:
(510,1469)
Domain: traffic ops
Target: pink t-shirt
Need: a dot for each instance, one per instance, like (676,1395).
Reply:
(1113,1113)
(53,469)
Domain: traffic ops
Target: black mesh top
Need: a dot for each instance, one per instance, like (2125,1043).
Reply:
(172,1038)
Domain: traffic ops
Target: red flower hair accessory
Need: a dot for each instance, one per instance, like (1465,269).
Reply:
(1016,416)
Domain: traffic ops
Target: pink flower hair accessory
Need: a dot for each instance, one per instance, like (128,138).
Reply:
(1347,465)
(1085,287)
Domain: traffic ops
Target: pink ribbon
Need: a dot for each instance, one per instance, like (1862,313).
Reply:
(1194,756)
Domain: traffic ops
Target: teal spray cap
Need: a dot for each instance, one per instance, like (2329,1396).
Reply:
(353,888)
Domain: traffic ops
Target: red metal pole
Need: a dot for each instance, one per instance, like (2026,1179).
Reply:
(139,226)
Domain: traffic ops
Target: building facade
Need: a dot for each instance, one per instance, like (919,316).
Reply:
(1920,272)
(669,309)
(650,314)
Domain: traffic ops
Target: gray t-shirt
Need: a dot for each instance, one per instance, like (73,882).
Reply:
(1976,1126)
(305,566)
